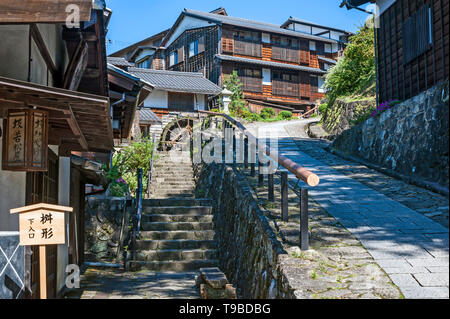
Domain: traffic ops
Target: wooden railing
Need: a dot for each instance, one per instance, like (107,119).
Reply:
(309,112)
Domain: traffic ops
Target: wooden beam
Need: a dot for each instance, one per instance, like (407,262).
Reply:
(76,67)
(73,124)
(39,11)
(37,37)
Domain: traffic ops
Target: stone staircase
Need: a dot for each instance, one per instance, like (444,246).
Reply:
(173,176)
(177,232)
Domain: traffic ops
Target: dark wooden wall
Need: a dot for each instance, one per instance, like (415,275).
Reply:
(401,81)
(202,62)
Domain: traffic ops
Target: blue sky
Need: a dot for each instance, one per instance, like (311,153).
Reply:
(135,20)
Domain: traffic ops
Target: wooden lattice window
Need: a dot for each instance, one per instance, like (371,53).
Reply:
(417,34)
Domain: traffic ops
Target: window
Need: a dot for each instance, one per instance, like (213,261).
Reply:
(327,48)
(312,45)
(193,48)
(321,84)
(286,77)
(286,42)
(173,59)
(144,64)
(252,73)
(417,34)
(248,36)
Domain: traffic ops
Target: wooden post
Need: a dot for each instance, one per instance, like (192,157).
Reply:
(271,193)
(252,169)
(284,197)
(43,272)
(260,175)
(304,236)
(246,152)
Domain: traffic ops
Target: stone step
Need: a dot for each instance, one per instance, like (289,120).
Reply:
(176,210)
(172,195)
(164,189)
(162,226)
(174,255)
(177,218)
(175,244)
(172,180)
(178,234)
(176,266)
(177,202)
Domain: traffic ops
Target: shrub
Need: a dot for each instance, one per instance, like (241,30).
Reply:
(285,115)
(267,112)
(119,188)
(130,158)
(253,117)
(323,108)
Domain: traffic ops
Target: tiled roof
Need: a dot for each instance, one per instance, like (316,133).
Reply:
(269,64)
(294,19)
(187,82)
(331,61)
(146,115)
(119,62)
(262,26)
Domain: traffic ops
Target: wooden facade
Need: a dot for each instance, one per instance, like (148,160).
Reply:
(412,60)
(203,61)
(287,87)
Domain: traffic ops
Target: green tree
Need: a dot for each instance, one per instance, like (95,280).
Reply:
(234,85)
(129,159)
(355,72)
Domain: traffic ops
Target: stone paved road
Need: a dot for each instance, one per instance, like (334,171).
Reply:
(103,283)
(410,247)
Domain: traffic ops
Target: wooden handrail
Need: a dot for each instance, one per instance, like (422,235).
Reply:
(310,111)
(300,172)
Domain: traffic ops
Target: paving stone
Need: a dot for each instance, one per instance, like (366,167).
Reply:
(432,280)
(426,292)
(386,214)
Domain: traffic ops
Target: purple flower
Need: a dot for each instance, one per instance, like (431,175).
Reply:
(121,181)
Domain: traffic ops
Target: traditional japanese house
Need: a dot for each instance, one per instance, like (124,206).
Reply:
(146,53)
(413,45)
(174,94)
(127,93)
(53,101)
(278,66)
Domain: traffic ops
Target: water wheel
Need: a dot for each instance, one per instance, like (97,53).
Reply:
(177,134)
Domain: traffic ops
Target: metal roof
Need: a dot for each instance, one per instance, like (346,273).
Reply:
(269,64)
(147,116)
(245,23)
(331,61)
(114,68)
(186,82)
(119,61)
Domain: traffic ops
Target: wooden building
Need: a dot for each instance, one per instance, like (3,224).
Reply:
(281,67)
(172,94)
(146,53)
(59,73)
(413,46)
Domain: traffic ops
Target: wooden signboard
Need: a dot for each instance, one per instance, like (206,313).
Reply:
(42,225)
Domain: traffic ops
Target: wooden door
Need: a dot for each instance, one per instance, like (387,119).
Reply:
(43,188)
(181,101)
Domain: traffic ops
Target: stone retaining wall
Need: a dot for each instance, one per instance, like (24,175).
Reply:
(411,138)
(250,253)
(341,113)
(103,226)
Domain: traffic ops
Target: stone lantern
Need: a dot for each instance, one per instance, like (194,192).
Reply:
(226,99)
